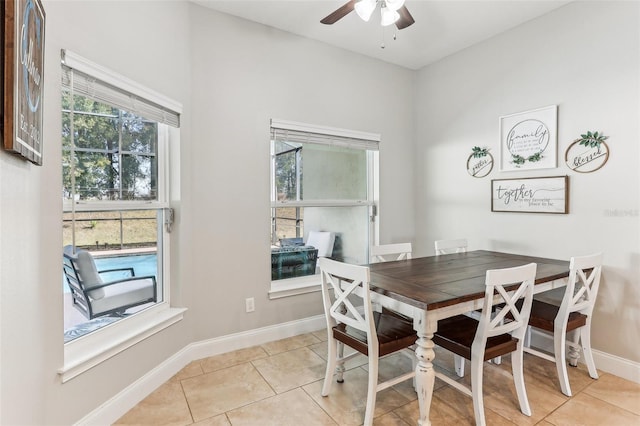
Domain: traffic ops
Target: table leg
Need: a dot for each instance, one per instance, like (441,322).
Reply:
(425,375)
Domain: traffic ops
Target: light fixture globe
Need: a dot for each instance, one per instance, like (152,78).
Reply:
(394,4)
(388,16)
(365,8)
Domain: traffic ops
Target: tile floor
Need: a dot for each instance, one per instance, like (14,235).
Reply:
(279,384)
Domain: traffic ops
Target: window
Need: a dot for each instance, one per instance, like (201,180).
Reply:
(323,201)
(115,144)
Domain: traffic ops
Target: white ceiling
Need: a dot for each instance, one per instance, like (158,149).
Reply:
(442,27)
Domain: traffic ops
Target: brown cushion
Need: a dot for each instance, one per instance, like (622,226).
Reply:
(456,334)
(543,314)
(394,334)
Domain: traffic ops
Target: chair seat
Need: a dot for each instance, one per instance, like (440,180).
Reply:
(394,333)
(544,314)
(456,334)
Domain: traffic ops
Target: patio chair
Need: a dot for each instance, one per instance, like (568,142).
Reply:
(370,333)
(94,297)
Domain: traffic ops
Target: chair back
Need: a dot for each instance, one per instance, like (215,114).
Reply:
(348,281)
(582,287)
(506,286)
(389,252)
(450,246)
(80,269)
(323,241)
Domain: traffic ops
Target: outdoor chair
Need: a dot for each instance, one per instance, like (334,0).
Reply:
(492,335)
(94,297)
(572,316)
(374,334)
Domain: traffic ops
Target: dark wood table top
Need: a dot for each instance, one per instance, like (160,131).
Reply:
(439,281)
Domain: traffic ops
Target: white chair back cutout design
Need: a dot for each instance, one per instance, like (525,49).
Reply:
(450,246)
(390,252)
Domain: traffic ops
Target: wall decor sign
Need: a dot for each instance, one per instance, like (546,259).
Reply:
(23,68)
(480,162)
(531,195)
(587,154)
(528,140)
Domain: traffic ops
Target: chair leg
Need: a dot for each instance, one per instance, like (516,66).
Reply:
(518,378)
(340,366)
(527,337)
(331,366)
(458,362)
(559,348)
(476,389)
(574,355)
(585,340)
(371,391)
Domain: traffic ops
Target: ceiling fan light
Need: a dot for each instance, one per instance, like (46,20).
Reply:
(365,8)
(394,4)
(389,16)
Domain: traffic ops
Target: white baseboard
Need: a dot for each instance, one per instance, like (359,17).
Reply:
(117,406)
(608,363)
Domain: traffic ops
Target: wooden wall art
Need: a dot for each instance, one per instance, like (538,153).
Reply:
(531,195)
(587,154)
(23,34)
(480,162)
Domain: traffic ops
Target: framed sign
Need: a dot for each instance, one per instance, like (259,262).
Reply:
(528,140)
(531,195)
(23,68)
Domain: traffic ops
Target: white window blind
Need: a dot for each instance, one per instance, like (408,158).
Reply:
(290,131)
(98,83)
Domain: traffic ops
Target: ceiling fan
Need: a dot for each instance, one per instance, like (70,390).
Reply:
(392,12)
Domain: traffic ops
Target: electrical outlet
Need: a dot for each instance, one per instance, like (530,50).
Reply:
(249,304)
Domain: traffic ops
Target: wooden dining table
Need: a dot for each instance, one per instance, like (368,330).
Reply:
(428,289)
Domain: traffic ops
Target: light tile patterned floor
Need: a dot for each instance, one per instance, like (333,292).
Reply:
(279,384)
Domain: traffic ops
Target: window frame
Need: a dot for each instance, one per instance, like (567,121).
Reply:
(312,283)
(93,348)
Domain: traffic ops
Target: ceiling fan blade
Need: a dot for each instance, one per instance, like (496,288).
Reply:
(339,13)
(405,18)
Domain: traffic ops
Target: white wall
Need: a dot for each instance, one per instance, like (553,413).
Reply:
(244,74)
(584,58)
(130,38)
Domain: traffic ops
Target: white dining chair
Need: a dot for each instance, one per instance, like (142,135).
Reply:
(572,316)
(389,252)
(492,335)
(450,246)
(374,334)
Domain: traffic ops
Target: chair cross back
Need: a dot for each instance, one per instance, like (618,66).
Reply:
(583,284)
(390,252)
(450,246)
(342,309)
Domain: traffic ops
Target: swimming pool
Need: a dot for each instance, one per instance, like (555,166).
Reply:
(142,264)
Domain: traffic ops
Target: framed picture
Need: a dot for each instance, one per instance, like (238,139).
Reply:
(528,140)
(531,195)
(588,153)
(23,68)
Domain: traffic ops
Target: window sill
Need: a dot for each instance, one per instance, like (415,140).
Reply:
(294,286)
(88,351)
